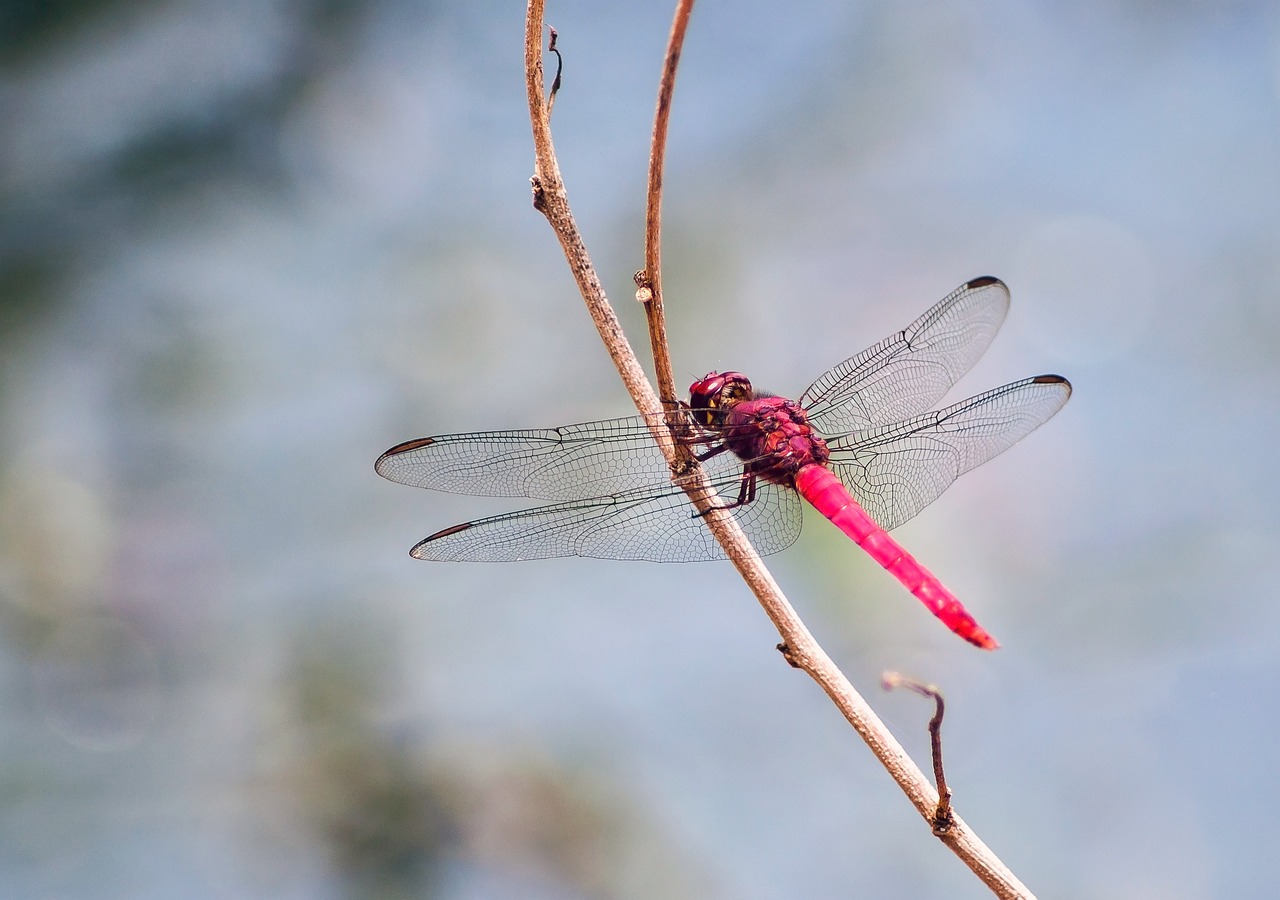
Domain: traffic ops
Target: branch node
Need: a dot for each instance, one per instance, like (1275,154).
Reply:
(539,195)
(644,286)
(790,656)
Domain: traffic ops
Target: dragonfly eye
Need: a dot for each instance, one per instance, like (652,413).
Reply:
(704,397)
(714,392)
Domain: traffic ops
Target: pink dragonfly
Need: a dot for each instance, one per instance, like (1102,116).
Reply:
(860,445)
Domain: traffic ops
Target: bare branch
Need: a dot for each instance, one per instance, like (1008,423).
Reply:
(798,645)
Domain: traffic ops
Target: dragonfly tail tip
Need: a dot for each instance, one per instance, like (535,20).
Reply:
(982,640)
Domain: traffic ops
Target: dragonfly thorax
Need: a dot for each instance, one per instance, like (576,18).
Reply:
(771,435)
(773,438)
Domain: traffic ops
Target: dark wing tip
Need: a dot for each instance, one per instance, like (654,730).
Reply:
(409,445)
(985,281)
(418,551)
(1052,379)
(398,449)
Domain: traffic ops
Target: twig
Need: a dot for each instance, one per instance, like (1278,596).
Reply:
(652,273)
(798,645)
(555,82)
(942,820)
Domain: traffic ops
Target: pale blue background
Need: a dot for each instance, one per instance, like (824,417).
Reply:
(245,247)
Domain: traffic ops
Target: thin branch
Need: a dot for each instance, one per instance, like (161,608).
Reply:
(653,206)
(942,819)
(799,646)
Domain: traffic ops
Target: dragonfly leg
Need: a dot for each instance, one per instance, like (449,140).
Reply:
(746,494)
(683,429)
(712,450)
(691,434)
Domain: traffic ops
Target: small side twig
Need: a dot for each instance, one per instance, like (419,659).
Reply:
(942,819)
(555,82)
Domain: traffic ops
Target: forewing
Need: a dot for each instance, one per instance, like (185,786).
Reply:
(894,471)
(595,458)
(910,371)
(656,525)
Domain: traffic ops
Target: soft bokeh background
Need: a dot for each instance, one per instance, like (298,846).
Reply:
(245,247)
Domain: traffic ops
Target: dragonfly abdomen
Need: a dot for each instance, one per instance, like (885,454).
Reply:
(828,495)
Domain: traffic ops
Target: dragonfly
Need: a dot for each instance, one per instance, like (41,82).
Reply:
(863,445)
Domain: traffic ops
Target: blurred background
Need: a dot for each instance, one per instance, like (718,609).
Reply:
(246,247)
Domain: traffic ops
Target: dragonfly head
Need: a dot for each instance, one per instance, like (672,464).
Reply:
(716,392)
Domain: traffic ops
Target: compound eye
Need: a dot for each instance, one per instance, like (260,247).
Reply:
(704,391)
(704,397)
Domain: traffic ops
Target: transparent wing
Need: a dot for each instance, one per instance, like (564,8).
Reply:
(895,470)
(649,524)
(595,458)
(910,371)
(616,496)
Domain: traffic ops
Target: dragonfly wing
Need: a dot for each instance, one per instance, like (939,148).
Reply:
(595,458)
(894,471)
(648,524)
(908,372)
